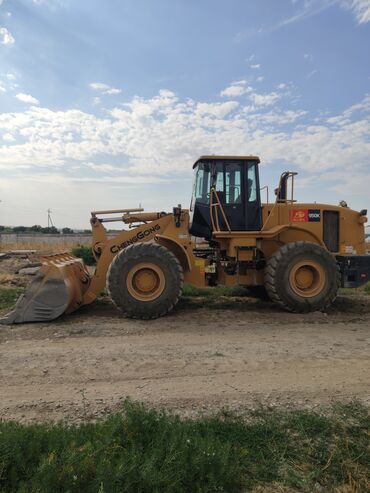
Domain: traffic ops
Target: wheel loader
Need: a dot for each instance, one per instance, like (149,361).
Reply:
(299,253)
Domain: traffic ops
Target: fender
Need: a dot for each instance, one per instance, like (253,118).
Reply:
(177,249)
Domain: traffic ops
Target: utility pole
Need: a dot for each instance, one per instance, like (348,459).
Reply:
(50,221)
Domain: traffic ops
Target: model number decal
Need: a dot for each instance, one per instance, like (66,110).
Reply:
(314,215)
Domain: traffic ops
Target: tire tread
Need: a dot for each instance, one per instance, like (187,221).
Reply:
(138,252)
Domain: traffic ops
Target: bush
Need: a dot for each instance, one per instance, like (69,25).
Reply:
(85,253)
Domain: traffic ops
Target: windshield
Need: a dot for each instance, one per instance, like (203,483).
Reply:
(201,185)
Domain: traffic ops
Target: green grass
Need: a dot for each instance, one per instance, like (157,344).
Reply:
(85,253)
(217,291)
(9,296)
(365,289)
(222,297)
(238,291)
(142,450)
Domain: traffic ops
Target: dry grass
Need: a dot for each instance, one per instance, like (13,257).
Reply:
(7,278)
(58,246)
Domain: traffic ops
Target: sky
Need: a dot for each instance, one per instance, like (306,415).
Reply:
(108,103)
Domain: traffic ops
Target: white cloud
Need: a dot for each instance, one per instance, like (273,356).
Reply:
(158,138)
(2,88)
(311,74)
(102,168)
(232,91)
(98,86)
(27,98)
(113,90)
(49,3)
(255,66)
(219,110)
(264,99)
(8,137)
(6,37)
(10,76)
(158,130)
(236,89)
(260,78)
(104,88)
(361,10)
(310,8)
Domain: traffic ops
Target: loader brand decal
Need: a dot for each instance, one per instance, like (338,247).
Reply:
(305,215)
(299,215)
(140,236)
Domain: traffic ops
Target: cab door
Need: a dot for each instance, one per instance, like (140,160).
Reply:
(230,188)
(253,211)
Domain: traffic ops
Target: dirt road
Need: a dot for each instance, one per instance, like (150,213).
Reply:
(196,359)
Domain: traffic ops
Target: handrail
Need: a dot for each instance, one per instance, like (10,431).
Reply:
(266,187)
(215,206)
(284,177)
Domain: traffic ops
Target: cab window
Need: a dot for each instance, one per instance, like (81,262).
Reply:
(252,183)
(233,184)
(202,183)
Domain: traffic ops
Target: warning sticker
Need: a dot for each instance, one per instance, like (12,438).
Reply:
(201,265)
(299,215)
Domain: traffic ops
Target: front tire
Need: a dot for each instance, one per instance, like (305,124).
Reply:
(145,281)
(302,277)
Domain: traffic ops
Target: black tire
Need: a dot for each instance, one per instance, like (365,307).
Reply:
(281,284)
(119,285)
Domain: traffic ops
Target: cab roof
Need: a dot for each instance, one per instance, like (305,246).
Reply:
(226,158)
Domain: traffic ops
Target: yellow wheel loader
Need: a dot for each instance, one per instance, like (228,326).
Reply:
(299,253)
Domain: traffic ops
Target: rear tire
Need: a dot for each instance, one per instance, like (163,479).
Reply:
(302,277)
(145,281)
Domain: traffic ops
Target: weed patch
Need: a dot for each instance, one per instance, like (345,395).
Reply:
(142,450)
(365,289)
(9,296)
(216,292)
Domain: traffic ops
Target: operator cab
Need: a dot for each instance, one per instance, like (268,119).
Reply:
(236,182)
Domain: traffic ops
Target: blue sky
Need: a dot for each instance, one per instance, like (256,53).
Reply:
(106,104)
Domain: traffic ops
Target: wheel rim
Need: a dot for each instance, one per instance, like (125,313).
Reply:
(307,278)
(145,281)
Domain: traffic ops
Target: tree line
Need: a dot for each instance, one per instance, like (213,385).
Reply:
(39,229)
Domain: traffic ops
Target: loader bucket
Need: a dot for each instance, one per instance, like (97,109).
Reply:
(58,287)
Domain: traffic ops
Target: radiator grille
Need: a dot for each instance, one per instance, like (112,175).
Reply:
(331,230)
